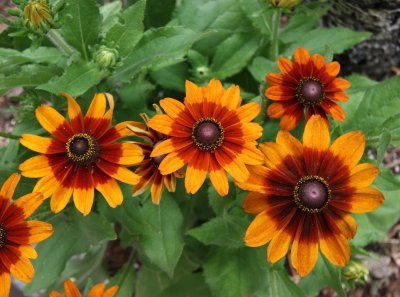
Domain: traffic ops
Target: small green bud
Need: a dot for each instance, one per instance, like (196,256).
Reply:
(285,3)
(106,57)
(355,272)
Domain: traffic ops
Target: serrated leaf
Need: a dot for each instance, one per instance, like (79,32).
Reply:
(77,234)
(376,109)
(83,29)
(260,67)
(338,39)
(233,54)
(159,228)
(76,79)
(125,34)
(24,77)
(158,48)
(225,231)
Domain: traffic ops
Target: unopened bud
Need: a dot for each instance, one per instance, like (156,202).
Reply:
(285,3)
(37,16)
(355,272)
(105,57)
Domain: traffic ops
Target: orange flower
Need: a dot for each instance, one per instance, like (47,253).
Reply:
(97,291)
(17,235)
(305,194)
(307,83)
(148,170)
(211,133)
(82,155)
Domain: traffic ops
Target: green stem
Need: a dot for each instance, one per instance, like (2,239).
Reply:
(261,117)
(276,18)
(9,135)
(61,44)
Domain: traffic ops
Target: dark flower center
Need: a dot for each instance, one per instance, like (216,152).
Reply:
(208,134)
(82,149)
(3,235)
(157,160)
(312,193)
(310,91)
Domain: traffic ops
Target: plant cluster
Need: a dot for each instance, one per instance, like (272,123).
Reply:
(226,121)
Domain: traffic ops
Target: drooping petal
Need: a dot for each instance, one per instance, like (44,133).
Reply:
(305,246)
(156,188)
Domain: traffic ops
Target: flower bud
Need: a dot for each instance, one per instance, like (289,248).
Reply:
(285,3)
(105,57)
(37,16)
(355,272)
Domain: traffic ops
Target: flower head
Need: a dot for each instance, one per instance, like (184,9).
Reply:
(82,156)
(210,132)
(308,83)
(17,235)
(305,194)
(148,171)
(97,291)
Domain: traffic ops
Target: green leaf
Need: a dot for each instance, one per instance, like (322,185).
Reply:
(124,279)
(24,77)
(11,59)
(219,204)
(383,144)
(83,29)
(376,109)
(260,67)
(76,79)
(225,231)
(338,39)
(222,18)
(323,274)
(77,234)
(233,54)
(150,283)
(191,285)
(159,228)
(158,48)
(158,13)
(110,13)
(260,16)
(279,284)
(172,77)
(125,34)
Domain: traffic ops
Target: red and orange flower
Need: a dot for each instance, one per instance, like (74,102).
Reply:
(97,291)
(305,194)
(308,83)
(17,235)
(148,171)
(82,156)
(210,132)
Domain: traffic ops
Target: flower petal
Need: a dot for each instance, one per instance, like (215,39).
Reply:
(71,290)
(334,110)
(97,291)
(255,202)
(29,232)
(171,163)
(22,208)
(261,230)
(363,175)
(53,122)
(362,201)
(109,188)
(42,144)
(124,153)
(196,172)
(218,177)
(74,113)
(349,148)
(5,283)
(8,188)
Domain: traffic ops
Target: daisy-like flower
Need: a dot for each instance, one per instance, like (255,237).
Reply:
(148,171)
(17,235)
(210,132)
(97,291)
(308,83)
(82,156)
(305,194)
